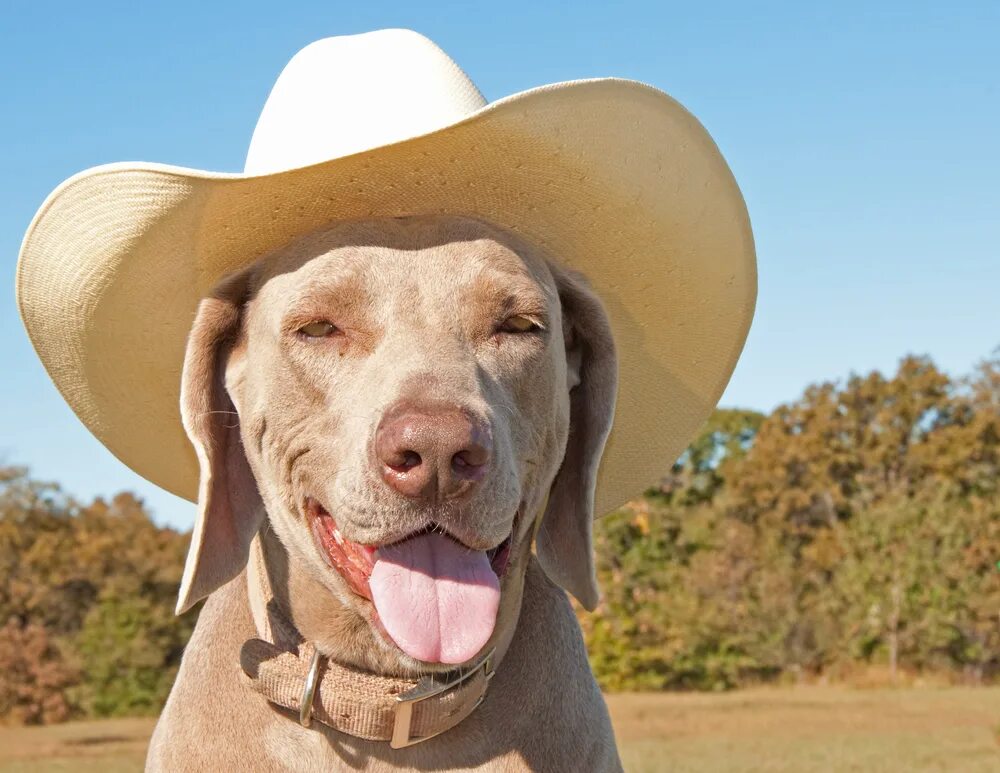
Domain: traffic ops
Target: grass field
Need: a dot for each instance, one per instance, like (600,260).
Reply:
(768,730)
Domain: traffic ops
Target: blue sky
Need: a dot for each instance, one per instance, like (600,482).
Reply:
(864,137)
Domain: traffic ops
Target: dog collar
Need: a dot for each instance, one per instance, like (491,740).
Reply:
(299,678)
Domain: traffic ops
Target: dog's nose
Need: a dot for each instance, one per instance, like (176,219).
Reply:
(432,452)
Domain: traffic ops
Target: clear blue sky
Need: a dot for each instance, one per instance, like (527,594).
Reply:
(864,137)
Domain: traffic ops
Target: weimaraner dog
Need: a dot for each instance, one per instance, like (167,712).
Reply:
(386,413)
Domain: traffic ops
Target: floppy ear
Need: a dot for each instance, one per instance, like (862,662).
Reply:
(565,542)
(230,510)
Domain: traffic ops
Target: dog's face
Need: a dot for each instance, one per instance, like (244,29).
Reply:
(405,390)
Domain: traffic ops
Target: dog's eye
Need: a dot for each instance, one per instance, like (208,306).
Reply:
(318,329)
(519,323)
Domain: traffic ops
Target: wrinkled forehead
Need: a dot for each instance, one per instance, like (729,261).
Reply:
(431,254)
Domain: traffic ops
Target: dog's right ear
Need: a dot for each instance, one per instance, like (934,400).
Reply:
(230,510)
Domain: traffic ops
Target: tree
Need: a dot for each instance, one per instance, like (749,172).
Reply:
(35,676)
(89,594)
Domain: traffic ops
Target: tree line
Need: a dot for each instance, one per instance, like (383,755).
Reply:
(857,526)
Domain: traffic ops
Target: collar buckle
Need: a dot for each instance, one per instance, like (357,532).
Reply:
(427,688)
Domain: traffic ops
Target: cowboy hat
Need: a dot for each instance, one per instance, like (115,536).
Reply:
(612,177)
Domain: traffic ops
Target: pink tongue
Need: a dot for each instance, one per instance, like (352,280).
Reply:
(437,599)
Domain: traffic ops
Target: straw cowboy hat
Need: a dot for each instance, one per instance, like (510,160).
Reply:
(612,177)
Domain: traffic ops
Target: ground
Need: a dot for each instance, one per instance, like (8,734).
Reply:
(766,731)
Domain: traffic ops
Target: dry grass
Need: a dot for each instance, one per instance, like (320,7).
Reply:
(99,746)
(811,729)
(768,730)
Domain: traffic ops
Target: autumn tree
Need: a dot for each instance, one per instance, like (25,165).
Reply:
(89,596)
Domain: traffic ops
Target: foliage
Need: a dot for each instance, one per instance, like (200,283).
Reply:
(88,595)
(856,526)
(35,676)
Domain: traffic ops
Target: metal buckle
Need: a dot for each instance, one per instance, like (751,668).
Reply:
(425,689)
(309,691)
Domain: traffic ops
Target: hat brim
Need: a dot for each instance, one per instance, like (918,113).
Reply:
(612,177)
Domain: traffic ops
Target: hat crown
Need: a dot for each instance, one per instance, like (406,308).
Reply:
(346,94)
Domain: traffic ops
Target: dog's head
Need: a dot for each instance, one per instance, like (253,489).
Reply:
(399,399)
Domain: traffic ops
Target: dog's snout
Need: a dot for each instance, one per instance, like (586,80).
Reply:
(432,452)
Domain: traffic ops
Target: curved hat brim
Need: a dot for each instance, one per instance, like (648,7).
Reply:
(612,177)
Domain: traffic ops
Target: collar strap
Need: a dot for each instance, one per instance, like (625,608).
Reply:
(378,708)
(359,703)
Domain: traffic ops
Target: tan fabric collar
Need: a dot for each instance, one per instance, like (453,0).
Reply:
(292,674)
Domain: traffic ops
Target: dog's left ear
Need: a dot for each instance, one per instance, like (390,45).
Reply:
(230,510)
(565,538)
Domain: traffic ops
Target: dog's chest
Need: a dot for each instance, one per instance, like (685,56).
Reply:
(293,748)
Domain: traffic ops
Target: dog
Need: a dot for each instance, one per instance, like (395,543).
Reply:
(396,380)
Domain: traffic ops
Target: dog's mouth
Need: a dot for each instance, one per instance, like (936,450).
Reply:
(434,597)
